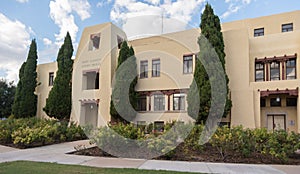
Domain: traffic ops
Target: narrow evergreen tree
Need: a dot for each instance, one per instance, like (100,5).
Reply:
(210,30)
(25,102)
(120,109)
(59,102)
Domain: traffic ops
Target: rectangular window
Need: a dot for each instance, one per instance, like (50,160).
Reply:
(287,27)
(291,101)
(275,102)
(259,72)
(178,102)
(142,103)
(94,42)
(274,71)
(159,102)
(120,41)
(290,69)
(90,80)
(51,78)
(156,68)
(187,64)
(144,69)
(159,126)
(262,102)
(259,32)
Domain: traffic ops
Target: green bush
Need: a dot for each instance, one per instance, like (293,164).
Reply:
(31,132)
(278,144)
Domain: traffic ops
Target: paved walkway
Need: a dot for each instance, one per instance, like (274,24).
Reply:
(57,153)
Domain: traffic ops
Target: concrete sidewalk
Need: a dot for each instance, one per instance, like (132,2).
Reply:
(57,153)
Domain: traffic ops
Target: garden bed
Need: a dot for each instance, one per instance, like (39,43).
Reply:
(208,154)
(230,145)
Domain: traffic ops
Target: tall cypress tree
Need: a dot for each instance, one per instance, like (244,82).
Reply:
(120,109)
(210,30)
(59,102)
(25,102)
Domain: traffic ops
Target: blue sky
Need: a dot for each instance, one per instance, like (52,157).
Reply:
(48,20)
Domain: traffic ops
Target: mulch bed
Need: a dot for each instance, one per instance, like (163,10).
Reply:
(208,154)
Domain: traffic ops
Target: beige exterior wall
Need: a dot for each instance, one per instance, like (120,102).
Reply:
(102,60)
(241,48)
(43,88)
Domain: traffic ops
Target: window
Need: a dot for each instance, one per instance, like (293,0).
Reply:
(159,102)
(159,126)
(259,32)
(94,41)
(178,102)
(97,81)
(144,69)
(120,41)
(275,102)
(290,69)
(287,27)
(142,103)
(187,64)
(156,68)
(275,71)
(262,102)
(51,78)
(90,80)
(259,72)
(291,101)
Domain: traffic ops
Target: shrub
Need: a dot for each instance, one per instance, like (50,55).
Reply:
(30,132)
(278,144)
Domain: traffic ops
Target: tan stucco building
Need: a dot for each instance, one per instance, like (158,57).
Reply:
(261,63)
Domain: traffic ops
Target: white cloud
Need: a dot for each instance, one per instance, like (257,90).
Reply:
(49,54)
(15,39)
(22,1)
(154,2)
(47,41)
(82,8)
(136,17)
(61,12)
(103,2)
(234,7)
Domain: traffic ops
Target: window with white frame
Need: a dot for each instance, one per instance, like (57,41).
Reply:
(159,102)
(259,72)
(290,69)
(274,71)
(188,64)
(144,69)
(156,68)
(178,102)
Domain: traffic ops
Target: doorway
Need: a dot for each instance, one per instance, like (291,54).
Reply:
(276,122)
(90,114)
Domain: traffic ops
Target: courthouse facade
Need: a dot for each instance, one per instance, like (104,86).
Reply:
(261,62)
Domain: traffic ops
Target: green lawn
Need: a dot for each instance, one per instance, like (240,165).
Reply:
(26,167)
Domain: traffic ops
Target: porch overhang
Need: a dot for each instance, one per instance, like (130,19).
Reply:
(291,92)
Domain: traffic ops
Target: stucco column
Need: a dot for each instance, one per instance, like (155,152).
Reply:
(257,116)
(298,113)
